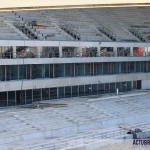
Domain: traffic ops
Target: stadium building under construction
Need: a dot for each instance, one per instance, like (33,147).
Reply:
(54,54)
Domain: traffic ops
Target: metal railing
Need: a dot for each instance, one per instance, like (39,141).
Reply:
(77,140)
(23,54)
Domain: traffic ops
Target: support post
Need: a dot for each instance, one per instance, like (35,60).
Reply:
(79,51)
(60,51)
(14,52)
(131,51)
(39,51)
(115,51)
(98,51)
(117,91)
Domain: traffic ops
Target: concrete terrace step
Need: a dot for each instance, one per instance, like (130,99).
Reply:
(120,96)
(58,143)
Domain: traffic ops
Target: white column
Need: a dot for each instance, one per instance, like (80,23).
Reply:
(131,51)
(98,51)
(14,51)
(39,51)
(0,51)
(115,51)
(60,51)
(79,51)
(148,51)
(144,51)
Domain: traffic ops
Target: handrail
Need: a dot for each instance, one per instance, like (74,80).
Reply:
(103,53)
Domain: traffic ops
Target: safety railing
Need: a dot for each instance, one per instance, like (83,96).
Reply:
(77,140)
(11,55)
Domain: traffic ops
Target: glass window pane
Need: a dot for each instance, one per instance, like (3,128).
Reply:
(123,67)
(69,70)
(143,67)
(101,88)
(53,93)
(88,89)
(45,94)
(29,71)
(119,86)
(74,91)
(14,72)
(61,92)
(51,70)
(107,90)
(124,86)
(132,67)
(3,73)
(3,99)
(68,91)
(94,89)
(22,71)
(37,71)
(8,73)
(139,84)
(79,69)
(37,95)
(129,86)
(87,68)
(81,90)
(98,69)
(138,66)
(11,98)
(105,68)
(117,67)
(127,67)
(46,70)
(20,97)
(59,70)
(112,88)
(28,96)
(148,66)
(111,68)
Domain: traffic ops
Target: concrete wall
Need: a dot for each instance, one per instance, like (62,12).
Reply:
(145,84)
(70,81)
(71,43)
(69,60)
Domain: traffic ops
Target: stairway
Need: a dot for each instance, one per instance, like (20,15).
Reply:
(71,31)
(138,35)
(22,48)
(108,33)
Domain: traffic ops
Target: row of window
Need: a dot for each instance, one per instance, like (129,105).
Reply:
(12,98)
(17,72)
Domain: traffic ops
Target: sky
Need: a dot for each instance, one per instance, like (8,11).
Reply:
(26,3)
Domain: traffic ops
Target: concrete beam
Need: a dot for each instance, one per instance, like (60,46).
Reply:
(58,82)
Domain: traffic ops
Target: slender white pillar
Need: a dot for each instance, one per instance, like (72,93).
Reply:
(131,51)
(79,51)
(117,91)
(14,52)
(144,51)
(39,51)
(60,51)
(115,51)
(98,51)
